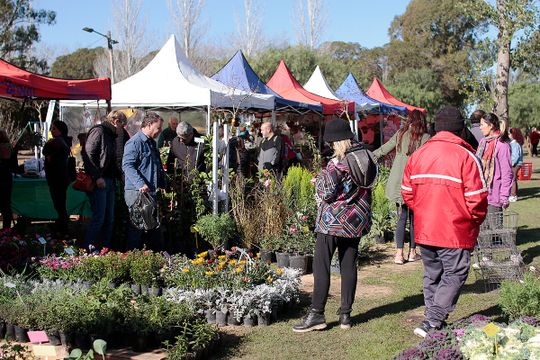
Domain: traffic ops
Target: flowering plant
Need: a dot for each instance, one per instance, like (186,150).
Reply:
(298,237)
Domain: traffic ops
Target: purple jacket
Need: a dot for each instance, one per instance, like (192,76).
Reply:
(499,191)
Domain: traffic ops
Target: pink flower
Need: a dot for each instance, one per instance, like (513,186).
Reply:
(267,183)
(293,229)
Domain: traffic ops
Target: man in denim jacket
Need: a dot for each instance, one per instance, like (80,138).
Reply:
(143,172)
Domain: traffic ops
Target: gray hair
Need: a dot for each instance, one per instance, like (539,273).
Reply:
(184,128)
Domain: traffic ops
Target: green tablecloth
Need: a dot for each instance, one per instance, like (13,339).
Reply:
(31,198)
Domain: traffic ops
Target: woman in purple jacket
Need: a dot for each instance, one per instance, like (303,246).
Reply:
(495,154)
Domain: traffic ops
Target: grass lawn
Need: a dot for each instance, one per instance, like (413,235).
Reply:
(388,306)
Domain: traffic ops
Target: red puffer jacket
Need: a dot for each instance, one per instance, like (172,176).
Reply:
(444,186)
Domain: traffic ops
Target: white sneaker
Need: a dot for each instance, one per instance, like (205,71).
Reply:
(512,199)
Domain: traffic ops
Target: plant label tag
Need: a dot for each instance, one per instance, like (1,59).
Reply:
(167,255)
(69,251)
(491,329)
(44,351)
(10,285)
(38,337)
(41,240)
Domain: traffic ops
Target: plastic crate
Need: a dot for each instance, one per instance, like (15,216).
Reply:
(525,171)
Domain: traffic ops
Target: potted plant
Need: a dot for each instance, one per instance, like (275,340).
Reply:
(217,230)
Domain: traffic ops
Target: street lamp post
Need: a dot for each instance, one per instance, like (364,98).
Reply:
(110,43)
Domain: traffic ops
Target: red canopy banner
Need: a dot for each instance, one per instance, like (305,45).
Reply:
(285,84)
(378,92)
(18,83)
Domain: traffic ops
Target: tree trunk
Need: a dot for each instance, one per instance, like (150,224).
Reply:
(503,64)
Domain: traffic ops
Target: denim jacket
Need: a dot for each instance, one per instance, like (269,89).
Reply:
(141,164)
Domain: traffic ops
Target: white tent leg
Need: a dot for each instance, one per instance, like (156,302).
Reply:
(215,199)
(274,117)
(226,167)
(355,121)
(48,119)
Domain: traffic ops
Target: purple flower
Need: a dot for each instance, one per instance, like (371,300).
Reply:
(413,353)
(438,335)
(448,354)
(459,332)
(530,320)
(476,318)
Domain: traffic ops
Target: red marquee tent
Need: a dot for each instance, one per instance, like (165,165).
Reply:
(18,83)
(378,92)
(284,83)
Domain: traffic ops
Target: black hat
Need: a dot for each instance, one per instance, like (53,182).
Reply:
(336,130)
(449,118)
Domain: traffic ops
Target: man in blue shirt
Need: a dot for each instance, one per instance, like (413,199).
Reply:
(143,172)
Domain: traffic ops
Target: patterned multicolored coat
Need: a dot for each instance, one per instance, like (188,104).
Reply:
(344,208)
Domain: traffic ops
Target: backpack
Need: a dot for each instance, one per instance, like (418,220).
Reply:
(363,166)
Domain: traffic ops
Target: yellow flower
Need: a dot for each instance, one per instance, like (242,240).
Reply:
(279,271)
(185,270)
(258,255)
(242,262)
(209,273)
(222,263)
(232,262)
(197,261)
(239,269)
(269,279)
(305,228)
(222,257)
(203,254)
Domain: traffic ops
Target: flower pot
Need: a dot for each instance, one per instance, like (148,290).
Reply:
(144,289)
(232,320)
(66,338)
(81,341)
(54,338)
(221,318)
(275,312)
(155,291)
(298,262)
(267,256)
(10,332)
(210,316)
(2,329)
(263,319)
(136,288)
(282,259)
(250,321)
(112,285)
(21,334)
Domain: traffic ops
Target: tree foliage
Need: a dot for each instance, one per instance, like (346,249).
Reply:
(524,100)
(19,24)
(77,65)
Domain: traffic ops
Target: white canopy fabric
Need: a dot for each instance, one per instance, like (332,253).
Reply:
(171,81)
(317,84)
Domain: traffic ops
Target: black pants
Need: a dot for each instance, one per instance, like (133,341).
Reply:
(445,272)
(6,187)
(347,253)
(404,214)
(58,190)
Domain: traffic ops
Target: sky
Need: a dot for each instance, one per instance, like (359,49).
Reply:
(363,21)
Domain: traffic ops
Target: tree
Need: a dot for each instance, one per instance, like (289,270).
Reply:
(186,16)
(19,31)
(509,17)
(524,100)
(249,33)
(309,22)
(129,30)
(77,65)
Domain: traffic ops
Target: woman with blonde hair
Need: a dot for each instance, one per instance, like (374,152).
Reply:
(409,138)
(343,194)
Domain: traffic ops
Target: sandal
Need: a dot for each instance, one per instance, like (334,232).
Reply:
(399,260)
(416,257)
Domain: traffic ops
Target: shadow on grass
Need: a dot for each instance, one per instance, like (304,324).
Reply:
(527,193)
(227,346)
(530,254)
(527,235)
(477,287)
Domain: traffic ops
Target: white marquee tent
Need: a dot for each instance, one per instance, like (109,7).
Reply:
(317,84)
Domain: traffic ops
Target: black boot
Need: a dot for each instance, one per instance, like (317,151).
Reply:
(344,319)
(313,321)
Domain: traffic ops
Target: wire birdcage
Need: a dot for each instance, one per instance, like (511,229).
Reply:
(496,255)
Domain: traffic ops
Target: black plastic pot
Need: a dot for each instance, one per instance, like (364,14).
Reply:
(81,341)
(232,320)
(141,343)
(282,259)
(267,256)
(298,262)
(54,338)
(136,288)
(155,291)
(66,338)
(275,312)
(221,318)
(2,329)
(21,334)
(263,319)
(210,316)
(10,332)
(250,321)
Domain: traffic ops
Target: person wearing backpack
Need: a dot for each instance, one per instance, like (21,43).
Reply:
(343,194)
(144,174)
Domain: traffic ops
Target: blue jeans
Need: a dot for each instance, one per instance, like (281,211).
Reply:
(102,203)
(153,237)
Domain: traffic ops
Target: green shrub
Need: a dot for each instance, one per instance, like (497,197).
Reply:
(216,229)
(518,299)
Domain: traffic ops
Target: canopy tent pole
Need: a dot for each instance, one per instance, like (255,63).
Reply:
(273,117)
(381,129)
(355,121)
(48,119)
(215,198)
(225,186)
(208,120)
